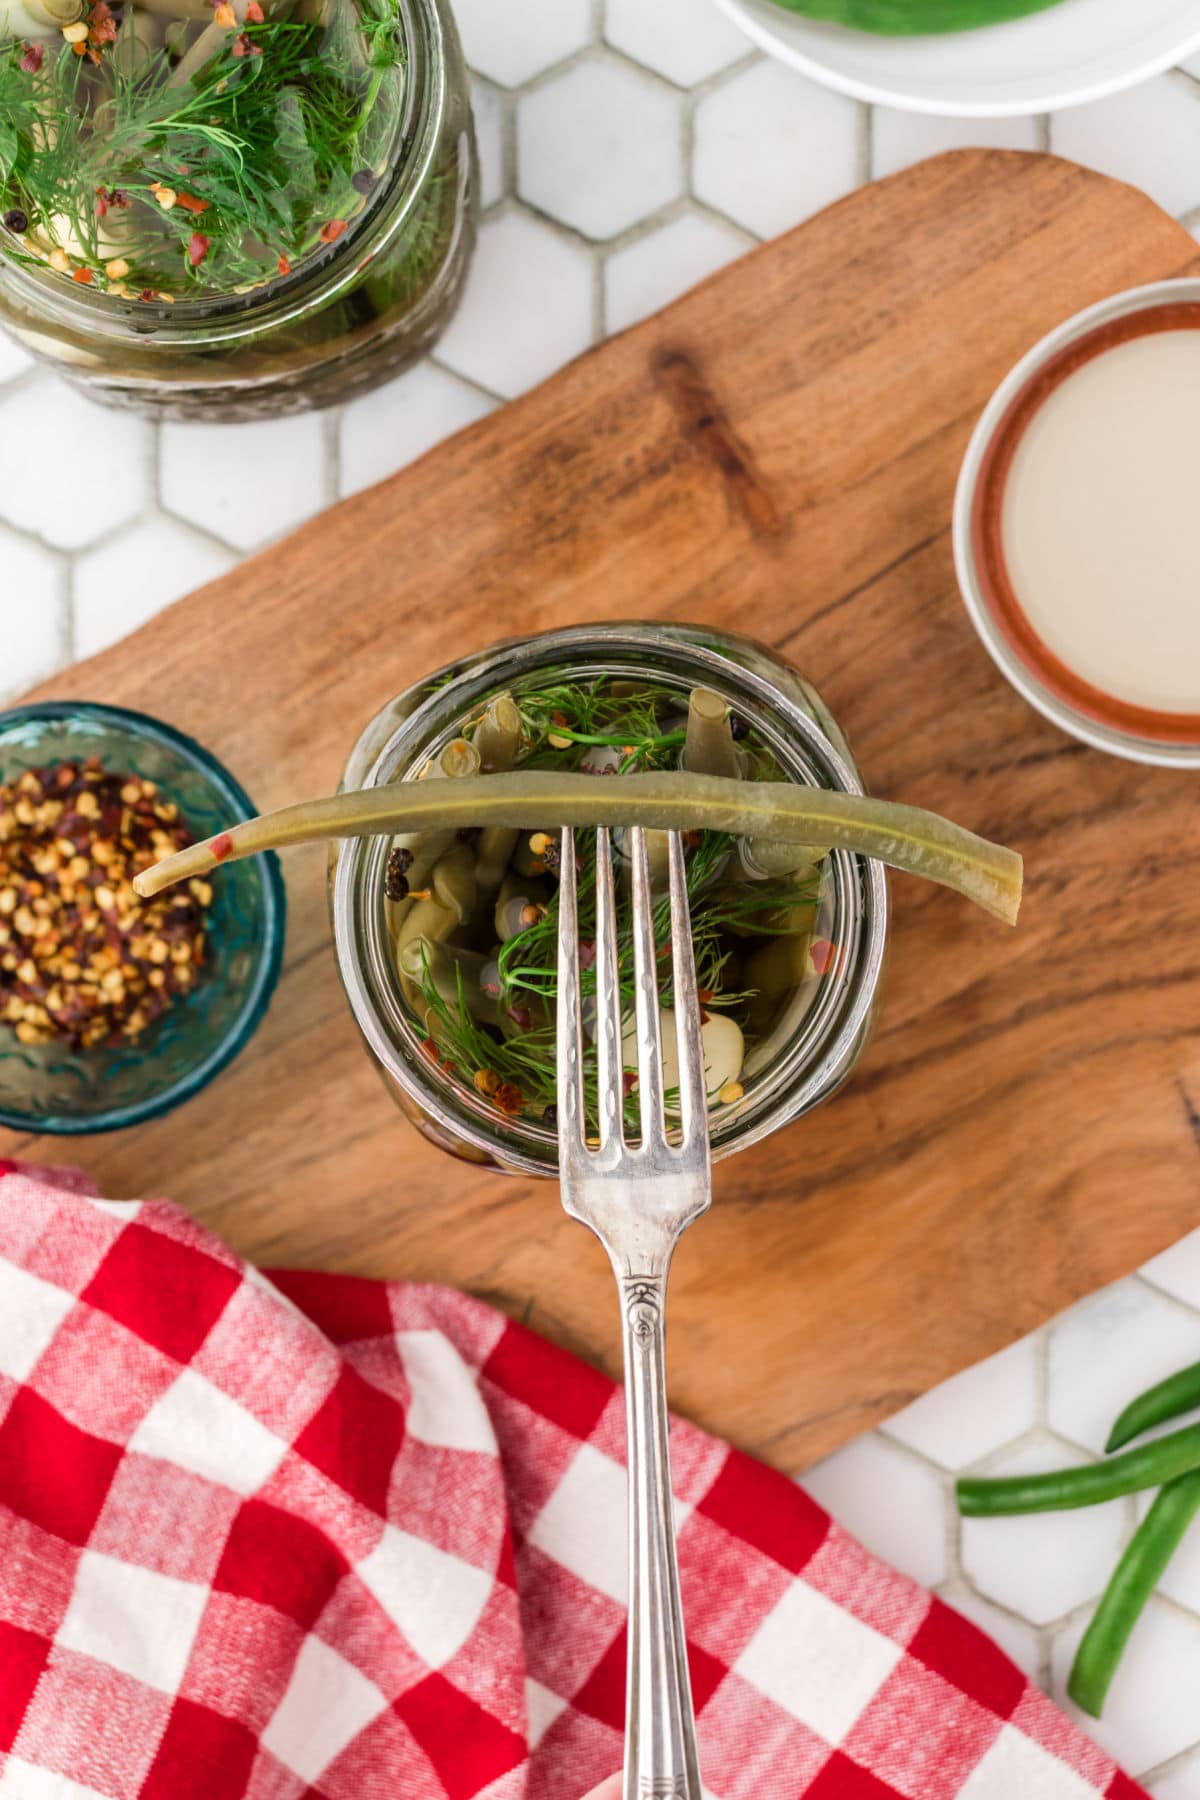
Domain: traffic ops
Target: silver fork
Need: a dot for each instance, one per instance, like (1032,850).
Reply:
(637,1200)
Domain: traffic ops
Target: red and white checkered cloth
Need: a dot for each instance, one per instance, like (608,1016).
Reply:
(317,1538)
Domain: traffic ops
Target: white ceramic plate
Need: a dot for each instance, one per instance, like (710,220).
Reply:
(1078,50)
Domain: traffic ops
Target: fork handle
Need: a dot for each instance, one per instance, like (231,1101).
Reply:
(660,1729)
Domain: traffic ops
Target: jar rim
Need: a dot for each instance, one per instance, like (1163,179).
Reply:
(213,319)
(822,1048)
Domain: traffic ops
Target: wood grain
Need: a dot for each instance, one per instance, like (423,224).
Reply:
(776,451)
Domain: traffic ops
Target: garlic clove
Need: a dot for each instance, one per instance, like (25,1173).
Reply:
(720,1038)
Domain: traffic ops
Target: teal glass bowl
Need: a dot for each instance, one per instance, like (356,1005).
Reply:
(52,1088)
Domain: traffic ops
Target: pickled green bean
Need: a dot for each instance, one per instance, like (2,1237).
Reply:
(709,748)
(453,881)
(782,963)
(425,919)
(906,837)
(492,854)
(460,760)
(498,734)
(766,859)
(445,964)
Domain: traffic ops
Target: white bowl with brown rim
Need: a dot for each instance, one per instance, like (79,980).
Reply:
(1074,525)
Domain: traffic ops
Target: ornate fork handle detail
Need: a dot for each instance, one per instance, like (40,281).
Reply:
(659,1726)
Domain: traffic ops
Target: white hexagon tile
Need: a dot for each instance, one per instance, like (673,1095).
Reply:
(628,149)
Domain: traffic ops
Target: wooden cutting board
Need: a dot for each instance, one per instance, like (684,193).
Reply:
(777,452)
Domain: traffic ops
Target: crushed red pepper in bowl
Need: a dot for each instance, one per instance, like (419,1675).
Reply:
(82,959)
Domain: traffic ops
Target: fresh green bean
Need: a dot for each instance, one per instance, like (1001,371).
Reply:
(914,18)
(709,748)
(1130,1586)
(907,837)
(498,734)
(1150,1465)
(1166,1400)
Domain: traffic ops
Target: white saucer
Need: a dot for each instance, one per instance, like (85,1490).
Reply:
(1077,50)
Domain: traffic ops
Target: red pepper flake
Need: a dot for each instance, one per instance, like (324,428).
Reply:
(148,294)
(198,248)
(245,46)
(704,996)
(692,839)
(283,265)
(521,1017)
(190,203)
(821,952)
(33,58)
(430,1049)
(509,1099)
(102,26)
(83,276)
(330,233)
(587,953)
(222,845)
(254,13)
(628,1081)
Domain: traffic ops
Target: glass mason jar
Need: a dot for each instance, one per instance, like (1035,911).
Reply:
(791,719)
(336,325)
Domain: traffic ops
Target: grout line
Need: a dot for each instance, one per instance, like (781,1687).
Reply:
(1190,1312)
(331,455)
(1179,1764)
(468,381)
(67,631)
(1041,1377)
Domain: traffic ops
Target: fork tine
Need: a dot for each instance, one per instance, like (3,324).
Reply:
(610,1074)
(693,1097)
(569,1024)
(645,985)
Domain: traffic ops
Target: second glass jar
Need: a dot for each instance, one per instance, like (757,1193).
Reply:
(371,294)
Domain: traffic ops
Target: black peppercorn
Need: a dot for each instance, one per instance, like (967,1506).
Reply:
(737,726)
(363,180)
(395,877)
(550,1116)
(16,220)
